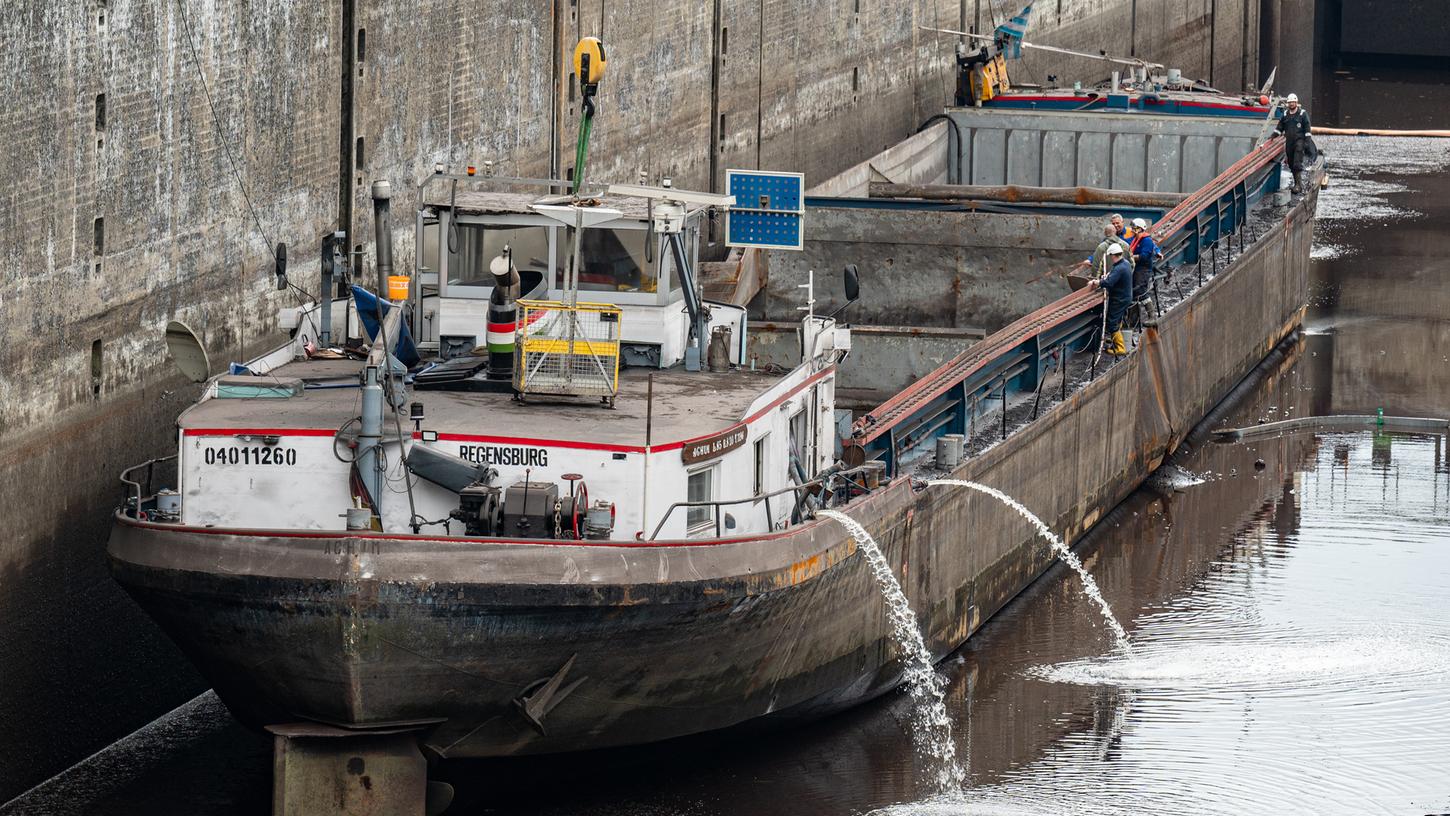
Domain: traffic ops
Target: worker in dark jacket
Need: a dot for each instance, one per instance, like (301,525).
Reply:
(1297,145)
(1145,254)
(1119,288)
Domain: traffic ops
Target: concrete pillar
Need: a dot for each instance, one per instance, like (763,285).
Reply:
(1298,47)
(319,770)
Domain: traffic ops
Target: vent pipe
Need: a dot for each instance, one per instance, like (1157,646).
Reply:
(382,193)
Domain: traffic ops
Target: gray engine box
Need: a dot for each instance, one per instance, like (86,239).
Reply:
(528,509)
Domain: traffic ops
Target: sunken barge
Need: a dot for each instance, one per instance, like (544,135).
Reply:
(583,514)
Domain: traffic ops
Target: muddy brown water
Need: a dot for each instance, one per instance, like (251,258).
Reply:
(1289,612)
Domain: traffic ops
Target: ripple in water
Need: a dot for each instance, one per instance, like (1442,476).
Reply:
(1172,477)
(934,732)
(1259,665)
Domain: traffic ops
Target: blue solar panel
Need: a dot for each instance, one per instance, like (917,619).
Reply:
(769,209)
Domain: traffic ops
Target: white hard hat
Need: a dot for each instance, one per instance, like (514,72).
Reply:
(1140,223)
(1115,249)
(1292,98)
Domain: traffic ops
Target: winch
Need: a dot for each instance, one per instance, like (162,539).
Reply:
(530,509)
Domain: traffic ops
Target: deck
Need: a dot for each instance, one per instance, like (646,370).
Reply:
(686,405)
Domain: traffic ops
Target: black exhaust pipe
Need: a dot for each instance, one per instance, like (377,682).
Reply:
(382,193)
(502,316)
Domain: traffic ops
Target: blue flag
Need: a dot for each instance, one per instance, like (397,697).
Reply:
(367,311)
(1009,34)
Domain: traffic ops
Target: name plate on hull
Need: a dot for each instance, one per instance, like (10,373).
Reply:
(703,450)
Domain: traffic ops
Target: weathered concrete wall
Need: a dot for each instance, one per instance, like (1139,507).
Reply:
(1216,42)
(693,88)
(1400,27)
(119,216)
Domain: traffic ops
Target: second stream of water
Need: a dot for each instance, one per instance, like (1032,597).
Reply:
(1089,586)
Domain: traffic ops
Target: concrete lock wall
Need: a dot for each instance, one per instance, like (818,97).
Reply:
(122,213)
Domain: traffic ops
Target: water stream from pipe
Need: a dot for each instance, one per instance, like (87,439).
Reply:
(933,736)
(1089,586)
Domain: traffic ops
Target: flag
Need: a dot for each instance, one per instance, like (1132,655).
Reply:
(1009,34)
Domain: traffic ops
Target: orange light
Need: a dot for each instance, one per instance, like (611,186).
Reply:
(1263,100)
(472,169)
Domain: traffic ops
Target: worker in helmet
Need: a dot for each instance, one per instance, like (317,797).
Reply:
(1119,288)
(1145,253)
(1298,148)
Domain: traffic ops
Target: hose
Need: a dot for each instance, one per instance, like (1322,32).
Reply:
(955,131)
(1102,339)
(582,149)
(453,219)
(1251,381)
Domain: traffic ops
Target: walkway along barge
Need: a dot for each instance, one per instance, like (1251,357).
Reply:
(529,569)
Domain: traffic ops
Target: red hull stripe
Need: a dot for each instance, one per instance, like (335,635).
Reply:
(528,441)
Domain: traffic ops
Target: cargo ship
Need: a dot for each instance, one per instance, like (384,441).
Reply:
(559,500)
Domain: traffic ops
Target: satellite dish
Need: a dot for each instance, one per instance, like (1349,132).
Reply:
(187,351)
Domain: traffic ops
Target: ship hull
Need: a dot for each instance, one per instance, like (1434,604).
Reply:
(511,647)
(636,659)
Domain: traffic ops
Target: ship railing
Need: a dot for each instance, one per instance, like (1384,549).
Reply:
(136,495)
(1019,357)
(825,485)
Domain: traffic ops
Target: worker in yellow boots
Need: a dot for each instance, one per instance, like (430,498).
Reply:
(1118,285)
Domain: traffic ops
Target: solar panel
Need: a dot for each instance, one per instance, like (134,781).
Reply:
(769,209)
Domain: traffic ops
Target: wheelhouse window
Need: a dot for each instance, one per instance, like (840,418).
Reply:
(700,488)
(478,244)
(614,261)
(762,452)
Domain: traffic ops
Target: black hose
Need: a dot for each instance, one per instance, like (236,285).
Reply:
(955,155)
(1246,386)
(453,219)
